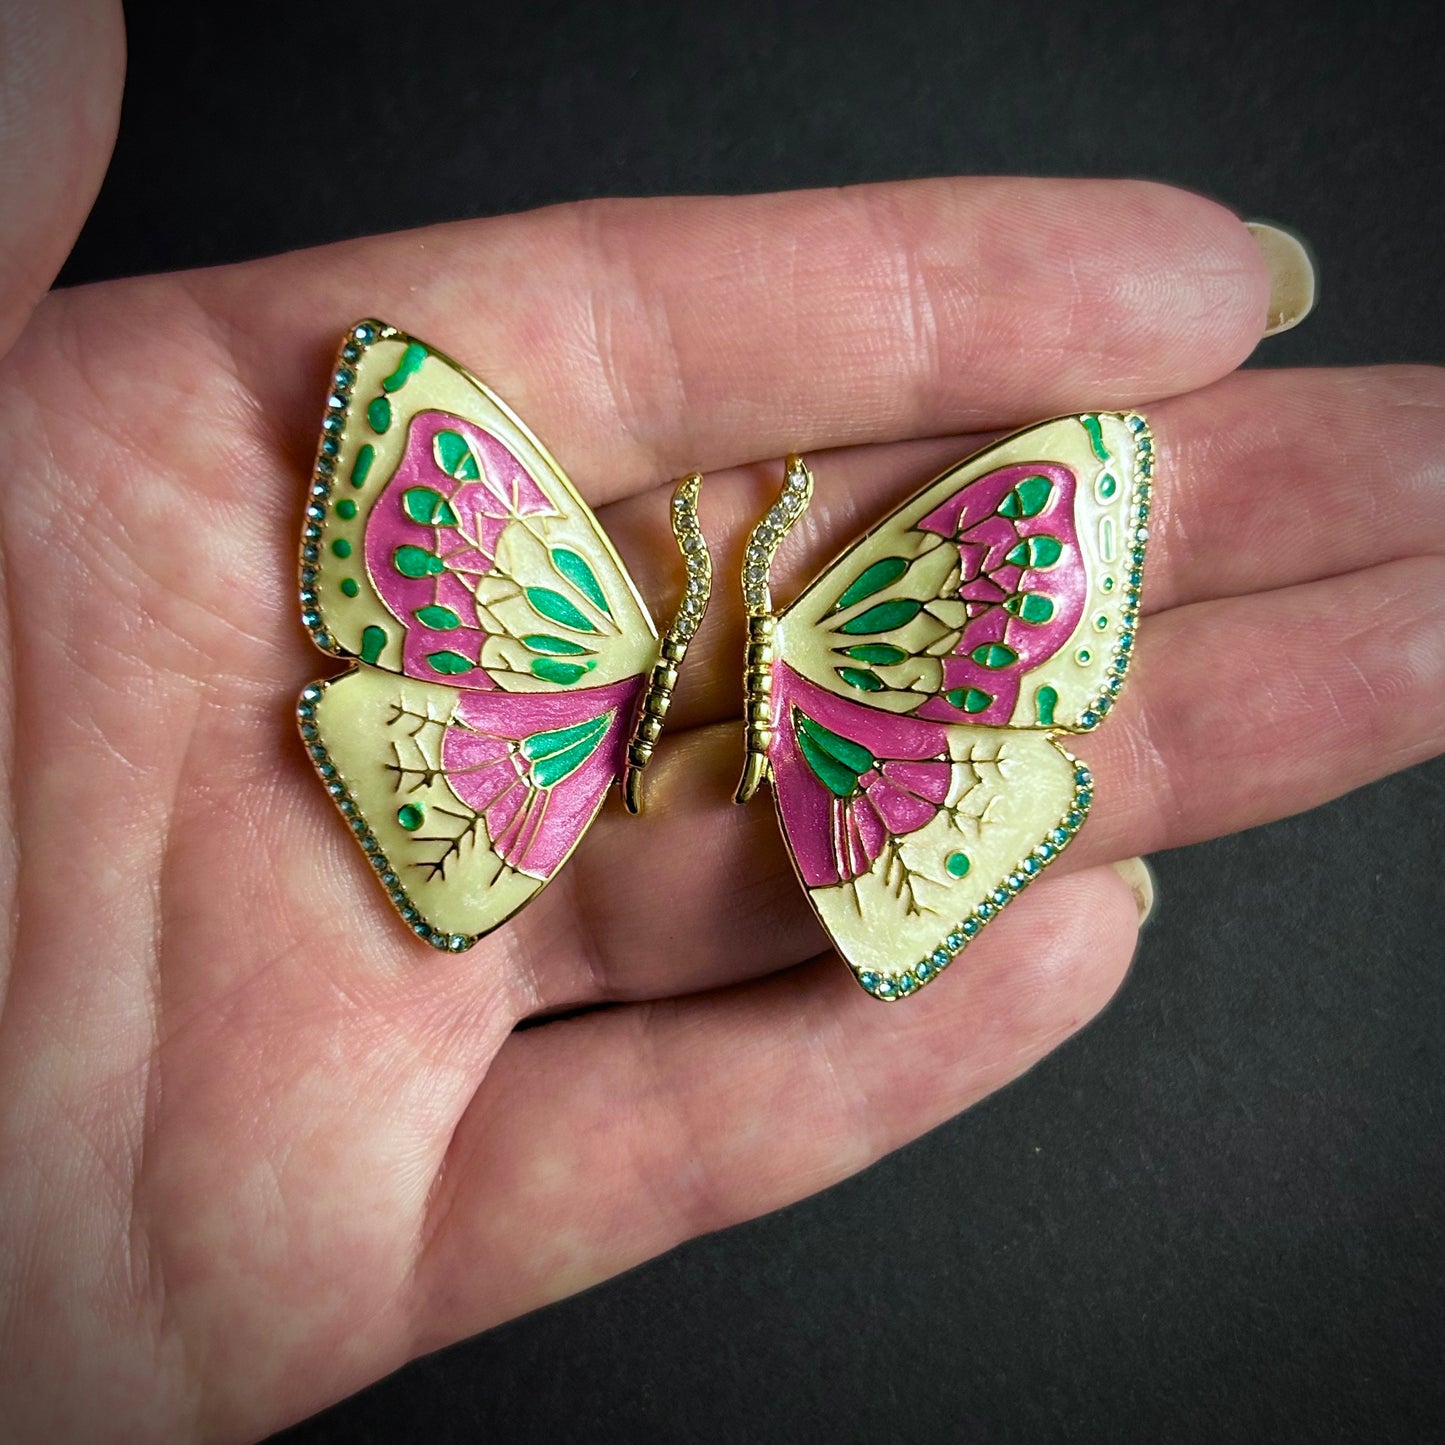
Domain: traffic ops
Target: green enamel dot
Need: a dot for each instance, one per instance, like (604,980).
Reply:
(1082,656)
(957,864)
(378,414)
(346,509)
(349,586)
(361,467)
(1046,699)
(341,547)
(1101,622)
(1107,584)
(1106,486)
(411,816)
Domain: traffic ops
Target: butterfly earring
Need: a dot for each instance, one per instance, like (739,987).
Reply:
(505,670)
(907,708)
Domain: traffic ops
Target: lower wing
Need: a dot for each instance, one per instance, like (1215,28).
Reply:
(464,802)
(910,836)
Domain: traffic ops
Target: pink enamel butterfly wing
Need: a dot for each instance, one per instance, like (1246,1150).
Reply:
(502,655)
(908,708)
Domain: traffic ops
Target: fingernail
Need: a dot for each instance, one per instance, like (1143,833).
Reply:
(1291,276)
(1140,878)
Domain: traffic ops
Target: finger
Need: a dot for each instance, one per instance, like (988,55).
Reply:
(1254,708)
(1272,478)
(601,1141)
(642,339)
(1237,712)
(1266,479)
(61,67)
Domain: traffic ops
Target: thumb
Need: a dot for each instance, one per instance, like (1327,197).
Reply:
(62,64)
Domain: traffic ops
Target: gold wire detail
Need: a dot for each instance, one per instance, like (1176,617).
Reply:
(762,547)
(673,647)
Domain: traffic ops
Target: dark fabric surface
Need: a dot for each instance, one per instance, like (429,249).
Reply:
(1216,1214)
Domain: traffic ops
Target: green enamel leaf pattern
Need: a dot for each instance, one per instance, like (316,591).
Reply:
(862,679)
(449,664)
(1096,437)
(1032,607)
(545,744)
(884,617)
(555,646)
(564,674)
(994,654)
(365,455)
(1040,551)
(558,754)
(417,562)
(831,773)
(438,618)
(453,453)
(373,643)
(428,506)
(1027,499)
(411,358)
(573,566)
(881,574)
(880,654)
(557,608)
(968,699)
(837,762)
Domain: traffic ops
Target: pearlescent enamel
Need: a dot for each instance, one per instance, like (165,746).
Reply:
(503,650)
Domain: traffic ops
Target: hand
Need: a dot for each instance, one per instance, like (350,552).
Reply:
(259,1146)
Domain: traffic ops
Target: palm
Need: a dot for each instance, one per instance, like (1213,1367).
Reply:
(299,1148)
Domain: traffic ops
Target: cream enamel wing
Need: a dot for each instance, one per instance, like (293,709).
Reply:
(505,671)
(908,708)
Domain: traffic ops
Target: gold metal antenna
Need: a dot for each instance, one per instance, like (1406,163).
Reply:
(766,538)
(674,643)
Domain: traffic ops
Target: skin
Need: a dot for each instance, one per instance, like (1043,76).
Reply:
(257,1146)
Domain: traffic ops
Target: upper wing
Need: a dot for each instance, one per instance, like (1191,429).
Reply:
(444,543)
(1004,593)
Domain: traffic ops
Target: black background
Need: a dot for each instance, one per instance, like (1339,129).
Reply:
(1217,1213)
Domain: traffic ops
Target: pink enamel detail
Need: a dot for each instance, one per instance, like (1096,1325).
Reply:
(970,517)
(483,508)
(531,828)
(835,840)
